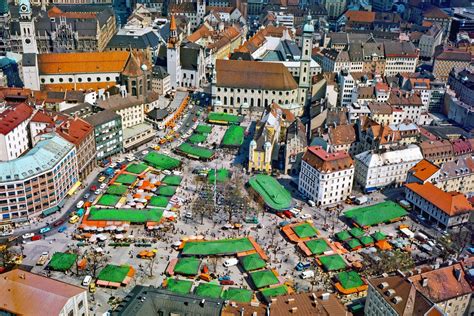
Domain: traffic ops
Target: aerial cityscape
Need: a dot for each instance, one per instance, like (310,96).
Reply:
(236,157)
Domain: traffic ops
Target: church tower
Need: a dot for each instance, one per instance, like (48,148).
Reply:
(27,28)
(29,45)
(173,62)
(305,62)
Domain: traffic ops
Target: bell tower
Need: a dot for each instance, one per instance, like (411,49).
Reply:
(27,28)
(305,62)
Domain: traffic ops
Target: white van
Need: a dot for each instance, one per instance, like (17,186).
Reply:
(231,262)
(87,280)
(307,274)
(80,204)
(166,172)
(311,203)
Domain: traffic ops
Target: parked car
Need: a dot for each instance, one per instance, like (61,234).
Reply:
(86,196)
(227,282)
(307,274)
(166,172)
(93,188)
(231,262)
(58,223)
(103,186)
(225,277)
(288,214)
(284,223)
(251,220)
(80,204)
(87,280)
(92,287)
(74,219)
(62,229)
(44,230)
(98,191)
(145,152)
(101,179)
(300,266)
(27,235)
(311,203)
(36,237)
(305,216)
(188,215)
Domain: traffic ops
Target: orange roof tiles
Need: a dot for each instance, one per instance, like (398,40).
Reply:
(424,170)
(56,12)
(360,16)
(75,130)
(87,62)
(342,134)
(451,203)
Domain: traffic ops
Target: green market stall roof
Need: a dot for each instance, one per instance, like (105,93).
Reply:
(187,266)
(305,230)
(172,180)
(234,136)
(208,290)
(223,175)
(343,236)
(272,192)
(366,240)
(317,246)
(252,262)
(263,278)
(224,118)
(353,243)
(167,190)
(117,189)
(379,236)
(179,286)
(62,261)
(193,151)
(375,214)
(114,273)
(158,201)
(126,179)
(350,279)
(356,232)
(332,262)
(126,215)
(197,138)
(160,161)
(217,247)
(274,291)
(136,168)
(203,129)
(108,200)
(237,295)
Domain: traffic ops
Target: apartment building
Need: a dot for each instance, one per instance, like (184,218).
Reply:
(295,146)
(429,41)
(437,151)
(38,181)
(14,132)
(326,178)
(107,128)
(132,111)
(377,170)
(460,81)
(448,59)
(441,208)
(400,57)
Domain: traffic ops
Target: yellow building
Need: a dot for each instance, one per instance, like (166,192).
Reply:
(266,136)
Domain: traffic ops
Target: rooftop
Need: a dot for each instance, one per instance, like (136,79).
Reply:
(307,304)
(451,203)
(423,170)
(14,116)
(254,75)
(85,62)
(45,296)
(323,161)
(442,284)
(43,157)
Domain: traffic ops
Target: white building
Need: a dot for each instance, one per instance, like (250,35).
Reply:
(400,57)
(444,209)
(377,170)
(326,178)
(429,41)
(14,136)
(347,89)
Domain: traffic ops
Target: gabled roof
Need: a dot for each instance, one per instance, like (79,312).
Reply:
(254,75)
(342,134)
(86,62)
(442,284)
(14,116)
(25,293)
(326,162)
(451,203)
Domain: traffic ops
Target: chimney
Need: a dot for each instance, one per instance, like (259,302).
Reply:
(424,281)
(294,309)
(290,300)
(325,296)
(457,274)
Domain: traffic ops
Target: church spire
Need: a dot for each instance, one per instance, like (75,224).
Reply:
(173,39)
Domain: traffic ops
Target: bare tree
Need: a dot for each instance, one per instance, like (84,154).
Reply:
(6,255)
(96,262)
(150,266)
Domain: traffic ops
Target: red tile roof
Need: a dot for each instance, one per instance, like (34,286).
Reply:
(451,203)
(442,284)
(74,130)
(11,118)
(323,161)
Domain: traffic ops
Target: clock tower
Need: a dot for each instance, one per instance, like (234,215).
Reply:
(27,28)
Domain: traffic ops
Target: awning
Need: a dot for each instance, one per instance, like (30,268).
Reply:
(51,210)
(74,188)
